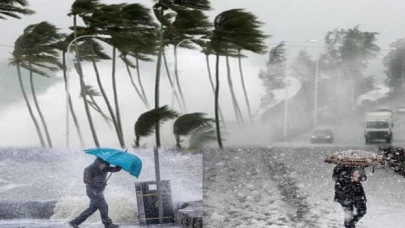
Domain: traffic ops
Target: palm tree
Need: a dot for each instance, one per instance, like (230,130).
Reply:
(92,92)
(16,61)
(82,8)
(147,121)
(12,8)
(123,22)
(164,19)
(232,28)
(185,28)
(188,124)
(38,52)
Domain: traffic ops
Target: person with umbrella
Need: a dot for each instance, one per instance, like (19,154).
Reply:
(95,179)
(349,192)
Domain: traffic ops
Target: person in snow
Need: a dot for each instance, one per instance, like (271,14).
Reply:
(349,192)
(95,179)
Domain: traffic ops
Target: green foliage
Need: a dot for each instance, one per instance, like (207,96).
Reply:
(37,47)
(238,29)
(146,122)
(188,123)
(273,77)
(303,67)
(394,62)
(13,8)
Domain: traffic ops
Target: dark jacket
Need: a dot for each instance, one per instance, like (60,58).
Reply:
(345,189)
(94,178)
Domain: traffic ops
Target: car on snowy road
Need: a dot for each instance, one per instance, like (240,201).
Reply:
(322,135)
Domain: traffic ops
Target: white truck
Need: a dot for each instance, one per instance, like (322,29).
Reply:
(378,125)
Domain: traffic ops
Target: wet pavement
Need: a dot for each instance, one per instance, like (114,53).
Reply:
(64,224)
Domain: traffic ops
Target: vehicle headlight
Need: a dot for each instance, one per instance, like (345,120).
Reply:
(328,136)
(313,136)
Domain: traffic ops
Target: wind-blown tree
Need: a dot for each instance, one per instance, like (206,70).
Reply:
(37,52)
(82,8)
(122,22)
(146,122)
(348,52)
(187,27)
(14,8)
(273,77)
(230,30)
(160,8)
(188,124)
(256,45)
(394,62)
(62,46)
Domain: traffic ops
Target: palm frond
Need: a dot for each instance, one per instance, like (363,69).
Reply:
(202,137)
(144,126)
(14,8)
(188,123)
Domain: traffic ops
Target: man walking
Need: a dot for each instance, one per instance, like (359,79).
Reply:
(95,179)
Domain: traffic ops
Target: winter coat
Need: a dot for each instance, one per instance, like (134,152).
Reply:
(345,189)
(94,178)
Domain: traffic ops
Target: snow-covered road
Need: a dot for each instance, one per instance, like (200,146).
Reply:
(291,187)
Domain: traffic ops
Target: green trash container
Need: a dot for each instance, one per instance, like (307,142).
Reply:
(148,208)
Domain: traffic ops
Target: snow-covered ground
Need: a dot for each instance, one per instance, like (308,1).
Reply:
(291,187)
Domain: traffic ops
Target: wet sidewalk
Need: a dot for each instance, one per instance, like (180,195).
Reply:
(53,224)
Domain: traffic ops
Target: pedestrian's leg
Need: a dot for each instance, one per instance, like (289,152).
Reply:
(86,213)
(103,208)
(361,209)
(348,210)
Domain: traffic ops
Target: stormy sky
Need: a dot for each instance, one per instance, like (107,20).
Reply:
(293,21)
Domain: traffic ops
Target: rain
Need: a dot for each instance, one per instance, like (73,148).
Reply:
(250,107)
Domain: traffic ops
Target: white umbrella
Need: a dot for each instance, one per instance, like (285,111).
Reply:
(355,158)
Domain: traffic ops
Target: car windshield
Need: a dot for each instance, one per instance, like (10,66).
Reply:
(378,124)
(322,132)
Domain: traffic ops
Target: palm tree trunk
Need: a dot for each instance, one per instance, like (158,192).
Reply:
(236,108)
(177,81)
(97,108)
(157,86)
(72,112)
(34,96)
(140,81)
(216,104)
(213,88)
(136,87)
(117,106)
(178,145)
(83,88)
(41,138)
(171,82)
(103,93)
(244,89)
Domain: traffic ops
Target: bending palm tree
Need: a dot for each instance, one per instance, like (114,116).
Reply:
(82,8)
(147,121)
(188,124)
(12,8)
(37,50)
(159,9)
(232,28)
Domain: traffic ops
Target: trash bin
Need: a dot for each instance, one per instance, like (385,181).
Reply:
(148,208)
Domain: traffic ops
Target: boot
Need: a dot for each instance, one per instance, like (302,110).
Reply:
(73,225)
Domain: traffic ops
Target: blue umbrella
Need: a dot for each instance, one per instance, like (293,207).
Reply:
(129,162)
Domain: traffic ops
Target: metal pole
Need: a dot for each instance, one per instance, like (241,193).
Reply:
(316,93)
(158,189)
(68,84)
